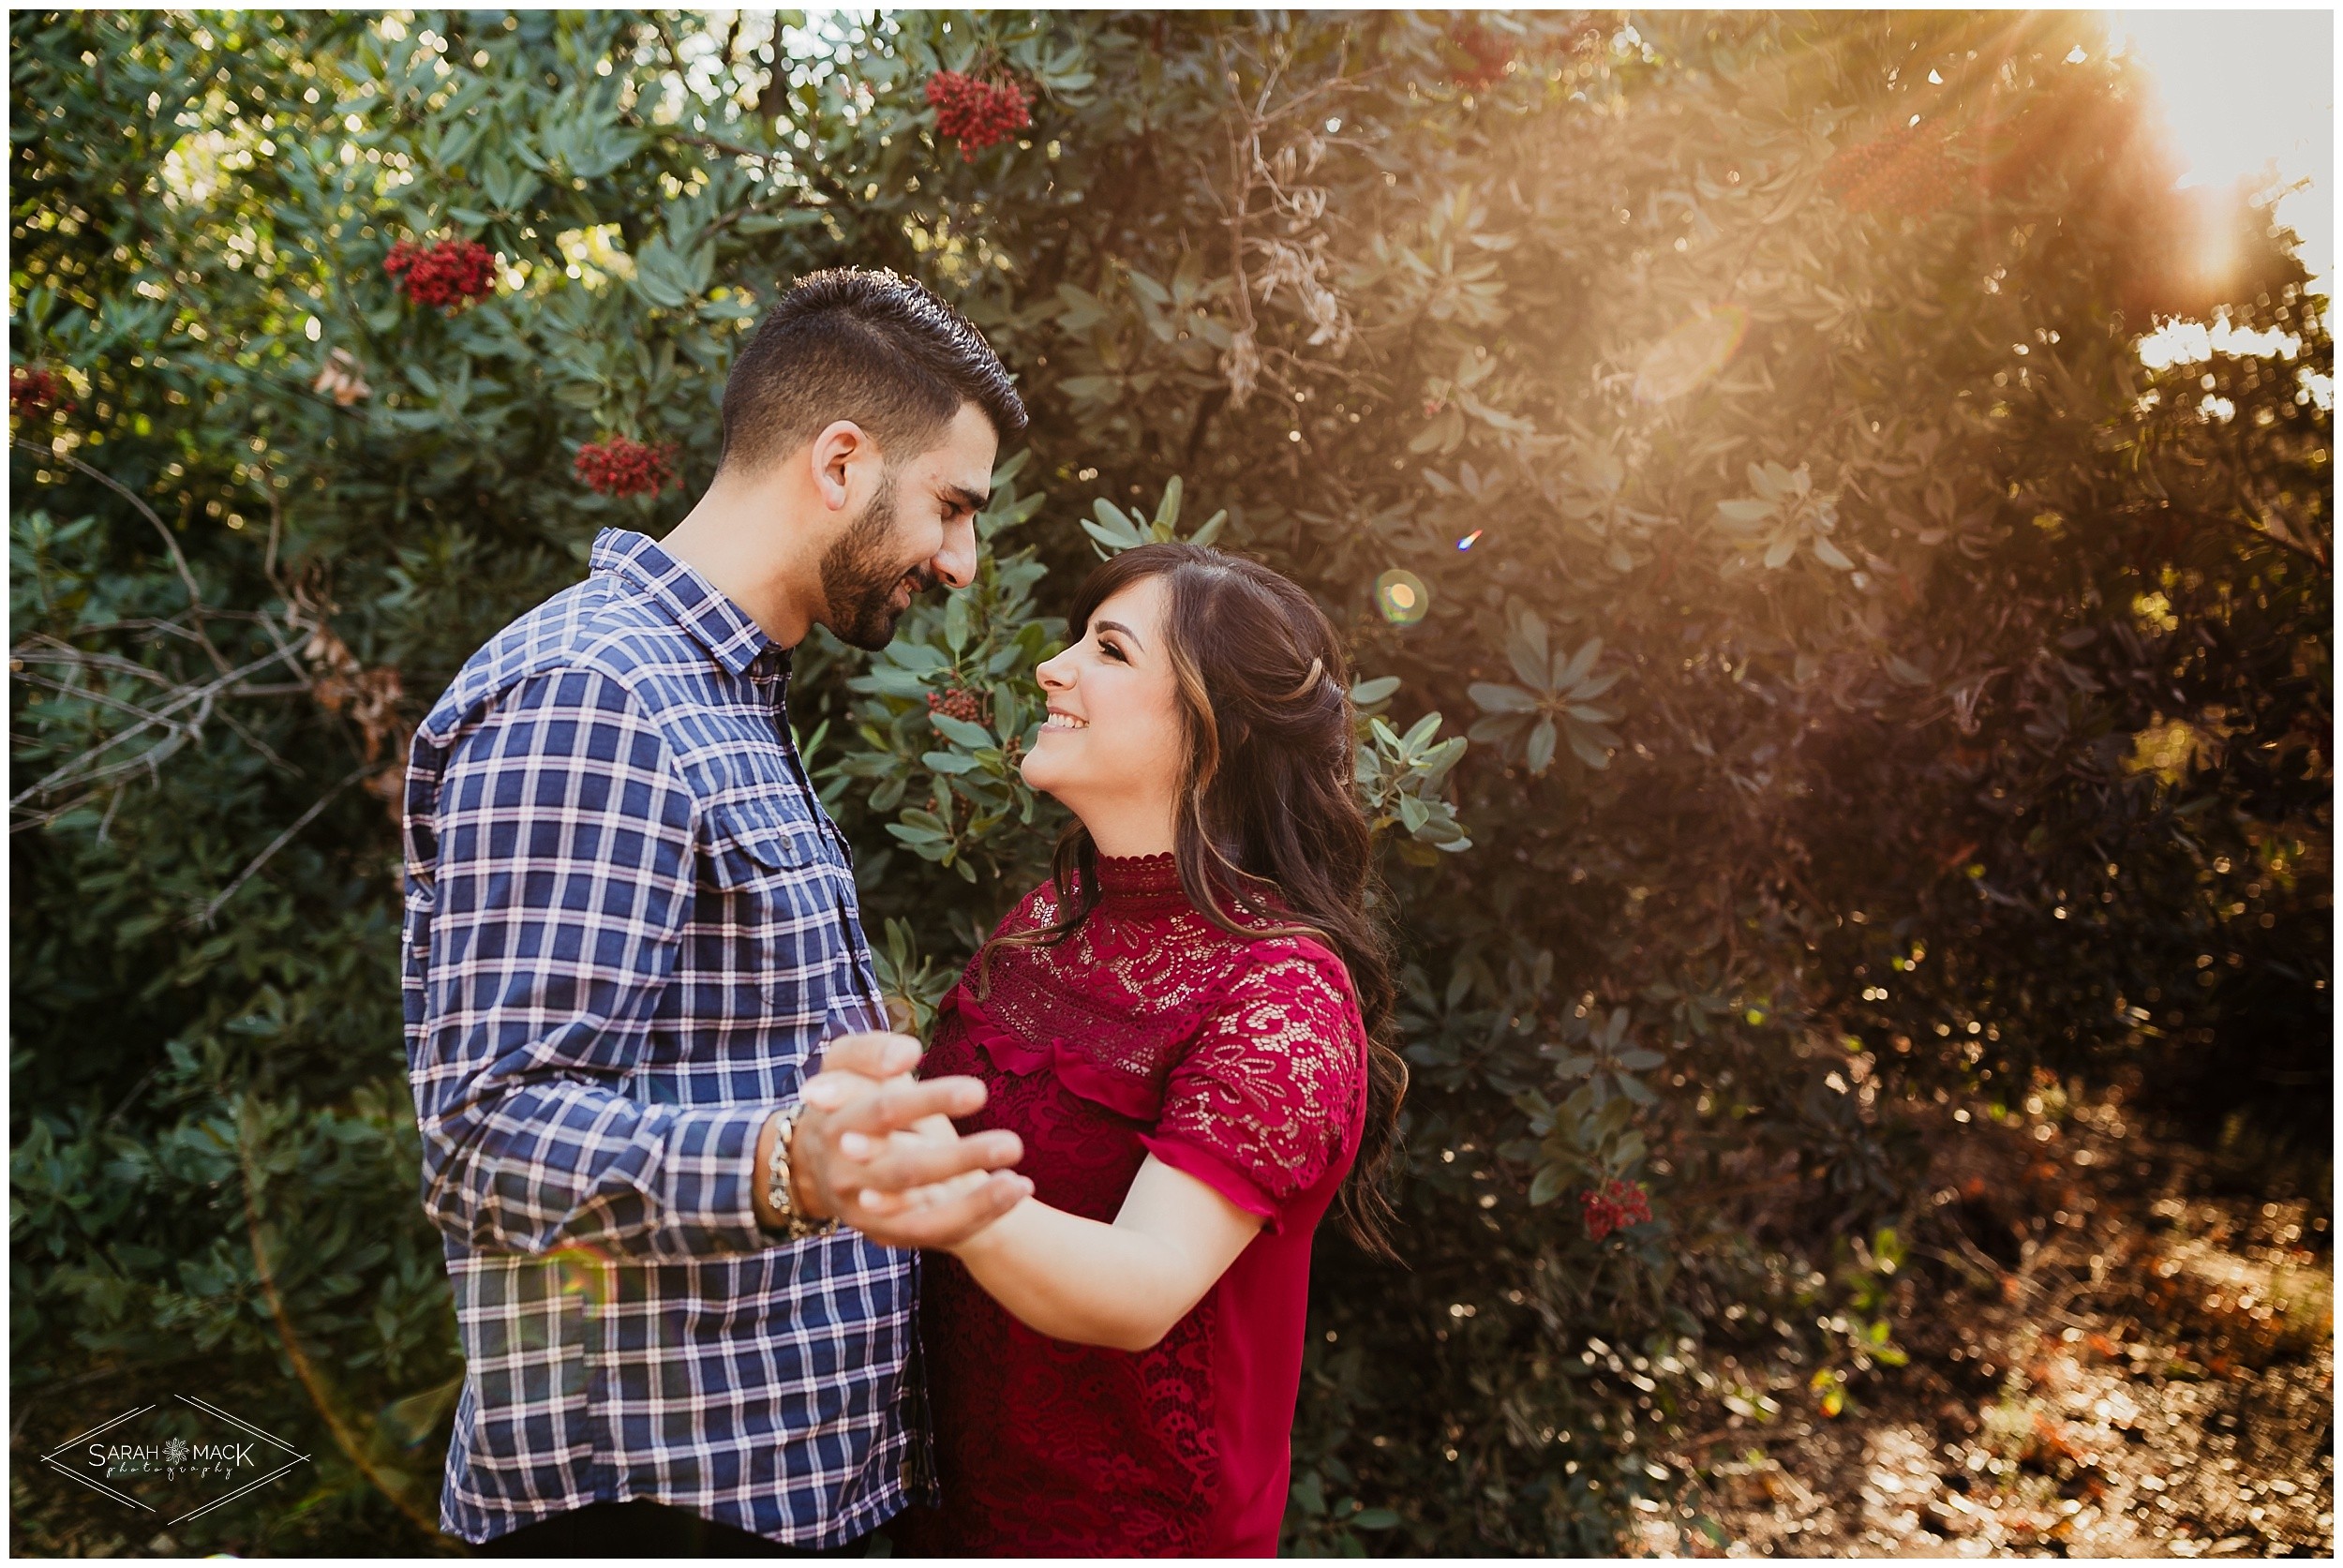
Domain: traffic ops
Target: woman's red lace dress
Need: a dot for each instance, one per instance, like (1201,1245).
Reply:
(1240,1061)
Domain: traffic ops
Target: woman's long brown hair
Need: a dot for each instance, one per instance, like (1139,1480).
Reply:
(1269,822)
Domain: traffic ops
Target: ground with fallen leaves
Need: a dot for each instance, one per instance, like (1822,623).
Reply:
(2117,1348)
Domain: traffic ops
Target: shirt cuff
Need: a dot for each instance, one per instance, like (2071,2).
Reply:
(712,1184)
(1215,1173)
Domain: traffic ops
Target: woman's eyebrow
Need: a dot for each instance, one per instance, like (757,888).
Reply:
(1118,626)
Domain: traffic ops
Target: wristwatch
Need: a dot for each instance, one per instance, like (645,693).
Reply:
(795,1226)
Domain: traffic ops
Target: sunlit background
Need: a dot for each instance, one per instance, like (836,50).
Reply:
(2245,93)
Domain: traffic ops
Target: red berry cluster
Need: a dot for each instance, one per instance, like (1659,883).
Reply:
(34,392)
(1909,172)
(448,274)
(959,703)
(620,467)
(1490,57)
(1615,1206)
(976,113)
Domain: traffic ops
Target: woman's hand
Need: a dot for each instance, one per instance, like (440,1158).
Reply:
(870,1131)
(913,1145)
(895,1167)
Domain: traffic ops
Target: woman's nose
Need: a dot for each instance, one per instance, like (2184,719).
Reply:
(1053,673)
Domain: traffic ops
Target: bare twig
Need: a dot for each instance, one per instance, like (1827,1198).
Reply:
(1737,1434)
(151,759)
(204,917)
(251,739)
(199,697)
(84,693)
(136,1090)
(1975,1275)
(31,651)
(187,575)
(716,144)
(2270,523)
(113,804)
(276,536)
(143,1369)
(168,624)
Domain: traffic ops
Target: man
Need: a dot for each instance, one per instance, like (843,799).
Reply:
(630,926)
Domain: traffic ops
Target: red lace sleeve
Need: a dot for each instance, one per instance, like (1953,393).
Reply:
(1261,1107)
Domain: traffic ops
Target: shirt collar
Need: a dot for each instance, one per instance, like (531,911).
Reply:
(1141,885)
(724,628)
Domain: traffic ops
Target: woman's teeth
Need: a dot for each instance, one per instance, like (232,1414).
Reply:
(1065,721)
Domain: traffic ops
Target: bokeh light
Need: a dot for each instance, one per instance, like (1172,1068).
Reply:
(1402,597)
(1691,354)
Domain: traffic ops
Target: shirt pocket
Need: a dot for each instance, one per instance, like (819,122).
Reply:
(749,841)
(767,928)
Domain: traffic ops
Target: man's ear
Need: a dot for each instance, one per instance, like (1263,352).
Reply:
(832,457)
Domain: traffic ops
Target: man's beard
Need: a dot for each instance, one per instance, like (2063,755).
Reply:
(859,575)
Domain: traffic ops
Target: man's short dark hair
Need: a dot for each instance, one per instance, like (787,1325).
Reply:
(866,345)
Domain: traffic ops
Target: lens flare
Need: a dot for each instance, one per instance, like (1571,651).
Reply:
(1402,597)
(1470,539)
(582,1270)
(1692,355)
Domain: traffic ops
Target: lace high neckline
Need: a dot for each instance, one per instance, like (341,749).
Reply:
(1139,885)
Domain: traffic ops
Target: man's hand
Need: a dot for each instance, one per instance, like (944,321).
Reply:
(876,1148)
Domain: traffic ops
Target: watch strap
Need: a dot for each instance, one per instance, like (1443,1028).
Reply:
(778,1192)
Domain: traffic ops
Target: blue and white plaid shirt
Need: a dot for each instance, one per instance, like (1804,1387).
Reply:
(627,923)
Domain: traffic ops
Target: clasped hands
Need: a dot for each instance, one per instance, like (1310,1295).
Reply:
(876,1148)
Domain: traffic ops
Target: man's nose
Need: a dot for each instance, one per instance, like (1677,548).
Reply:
(955,564)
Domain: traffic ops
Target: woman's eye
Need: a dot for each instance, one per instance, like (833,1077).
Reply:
(1110,650)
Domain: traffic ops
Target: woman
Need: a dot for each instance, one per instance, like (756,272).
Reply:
(1180,1025)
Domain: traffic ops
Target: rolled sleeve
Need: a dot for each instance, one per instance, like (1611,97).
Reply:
(564,876)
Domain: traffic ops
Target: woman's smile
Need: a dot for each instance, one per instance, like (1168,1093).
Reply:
(1116,679)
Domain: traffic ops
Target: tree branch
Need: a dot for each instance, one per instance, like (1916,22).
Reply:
(204,917)
(194,595)
(201,695)
(311,1381)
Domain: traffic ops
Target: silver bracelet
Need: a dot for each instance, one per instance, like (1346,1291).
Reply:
(796,1227)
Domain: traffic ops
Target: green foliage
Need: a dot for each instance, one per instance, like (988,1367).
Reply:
(1888,687)
(1556,699)
(1115,532)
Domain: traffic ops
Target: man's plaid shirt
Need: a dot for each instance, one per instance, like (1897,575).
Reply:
(627,923)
